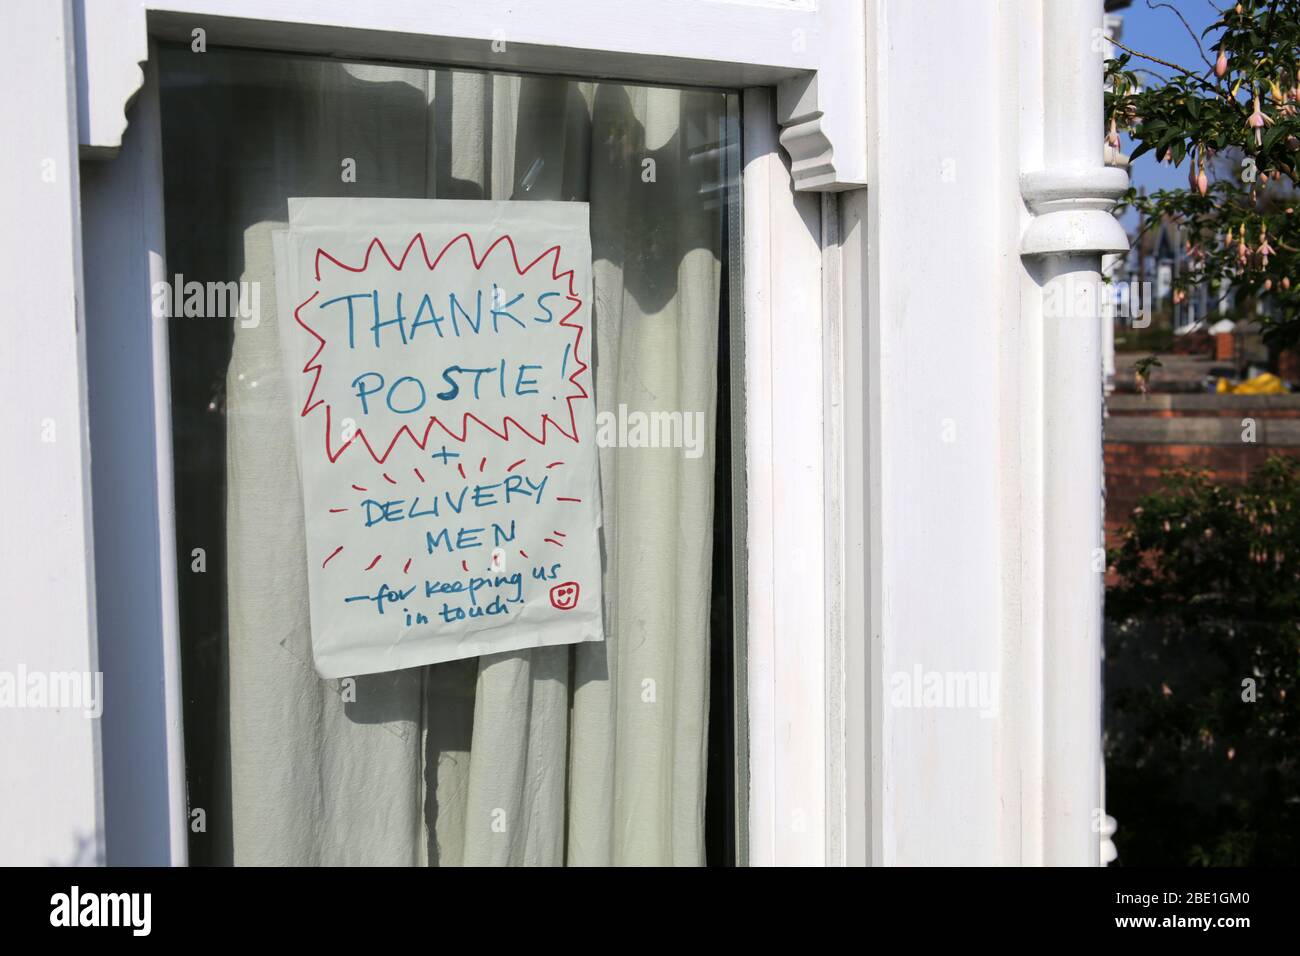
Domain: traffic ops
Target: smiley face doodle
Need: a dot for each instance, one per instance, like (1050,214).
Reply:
(564,597)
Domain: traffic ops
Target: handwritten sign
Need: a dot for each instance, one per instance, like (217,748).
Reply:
(438,356)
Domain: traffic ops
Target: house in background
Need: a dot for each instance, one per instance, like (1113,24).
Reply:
(1153,266)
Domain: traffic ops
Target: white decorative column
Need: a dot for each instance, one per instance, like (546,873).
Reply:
(1071,196)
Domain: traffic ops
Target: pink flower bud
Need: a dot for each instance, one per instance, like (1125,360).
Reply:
(1257,120)
(1264,250)
(1221,64)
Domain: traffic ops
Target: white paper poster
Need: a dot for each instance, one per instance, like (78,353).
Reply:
(438,354)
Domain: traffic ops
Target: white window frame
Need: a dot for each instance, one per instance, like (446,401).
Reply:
(873,318)
(803,70)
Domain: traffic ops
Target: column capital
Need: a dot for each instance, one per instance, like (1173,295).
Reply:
(1072,211)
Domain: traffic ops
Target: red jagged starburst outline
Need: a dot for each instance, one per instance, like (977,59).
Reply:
(313,367)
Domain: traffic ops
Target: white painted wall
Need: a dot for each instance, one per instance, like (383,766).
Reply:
(50,805)
(946,220)
(986,414)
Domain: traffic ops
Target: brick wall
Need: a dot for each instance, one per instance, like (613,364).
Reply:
(1146,435)
(1204,405)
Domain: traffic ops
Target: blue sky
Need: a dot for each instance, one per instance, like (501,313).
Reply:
(1159,32)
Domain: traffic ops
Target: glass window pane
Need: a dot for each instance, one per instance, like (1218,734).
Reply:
(592,753)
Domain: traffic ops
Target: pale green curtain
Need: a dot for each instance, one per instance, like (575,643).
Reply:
(591,754)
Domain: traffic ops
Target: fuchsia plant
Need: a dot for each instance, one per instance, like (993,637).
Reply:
(1236,124)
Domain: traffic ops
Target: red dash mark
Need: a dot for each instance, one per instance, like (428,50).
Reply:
(464,566)
(568,499)
(482,462)
(407,566)
(524,553)
(560,533)
(335,511)
(517,464)
(553,541)
(331,557)
(389,480)
(358,488)
(418,475)
(554,463)
(461,469)
(374,562)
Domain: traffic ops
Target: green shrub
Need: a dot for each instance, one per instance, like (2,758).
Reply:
(1206,617)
